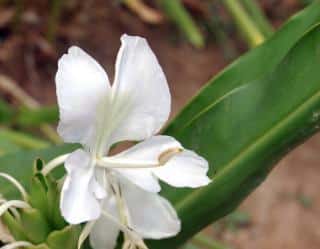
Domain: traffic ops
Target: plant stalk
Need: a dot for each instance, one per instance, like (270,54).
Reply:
(178,14)
(145,13)
(245,25)
(258,16)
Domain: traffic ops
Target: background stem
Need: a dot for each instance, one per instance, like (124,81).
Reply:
(245,25)
(178,14)
(258,16)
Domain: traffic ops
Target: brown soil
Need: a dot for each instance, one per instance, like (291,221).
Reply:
(280,218)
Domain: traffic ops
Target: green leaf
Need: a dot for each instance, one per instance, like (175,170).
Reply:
(246,119)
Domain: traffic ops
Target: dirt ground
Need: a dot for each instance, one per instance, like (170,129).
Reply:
(284,210)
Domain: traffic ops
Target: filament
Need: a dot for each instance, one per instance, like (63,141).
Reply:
(54,163)
(17,244)
(14,203)
(21,189)
(85,233)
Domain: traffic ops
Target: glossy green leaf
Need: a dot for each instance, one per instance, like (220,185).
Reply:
(246,119)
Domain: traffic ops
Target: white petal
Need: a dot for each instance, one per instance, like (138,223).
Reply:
(79,193)
(181,169)
(141,97)
(105,232)
(82,85)
(150,215)
(142,178)
(147,151)
(150,149)
(186,169)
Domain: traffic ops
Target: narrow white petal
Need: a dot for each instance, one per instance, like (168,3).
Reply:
(186,169)
(82,85)
(150,215)
(141,97)
(80,192)
(105,232)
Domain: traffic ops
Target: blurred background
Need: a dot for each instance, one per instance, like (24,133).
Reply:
(193,40)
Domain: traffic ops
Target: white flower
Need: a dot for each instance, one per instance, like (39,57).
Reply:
(120,192)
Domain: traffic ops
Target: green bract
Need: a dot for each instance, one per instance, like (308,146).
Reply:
(42,224)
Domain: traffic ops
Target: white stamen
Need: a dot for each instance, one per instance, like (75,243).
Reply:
(118,162)
(85,233)
(115,221)
(109,162)
(12,209)
(14,203)
(17,244)
(21,189)
(54,163)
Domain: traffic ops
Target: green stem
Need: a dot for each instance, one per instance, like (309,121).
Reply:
(258,16)
(249,30)
(208,242)
(22,139)
(178,14)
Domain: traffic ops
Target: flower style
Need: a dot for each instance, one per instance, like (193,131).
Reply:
(121,192)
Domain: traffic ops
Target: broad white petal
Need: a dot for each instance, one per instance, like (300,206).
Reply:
(105,232)
(180,169)
(142,178)
(80,191)
(150,149)
(141,97)
(147,151)
(82,85)
(186,169)
(150,215)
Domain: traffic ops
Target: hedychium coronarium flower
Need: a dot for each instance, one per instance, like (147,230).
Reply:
(120,192)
